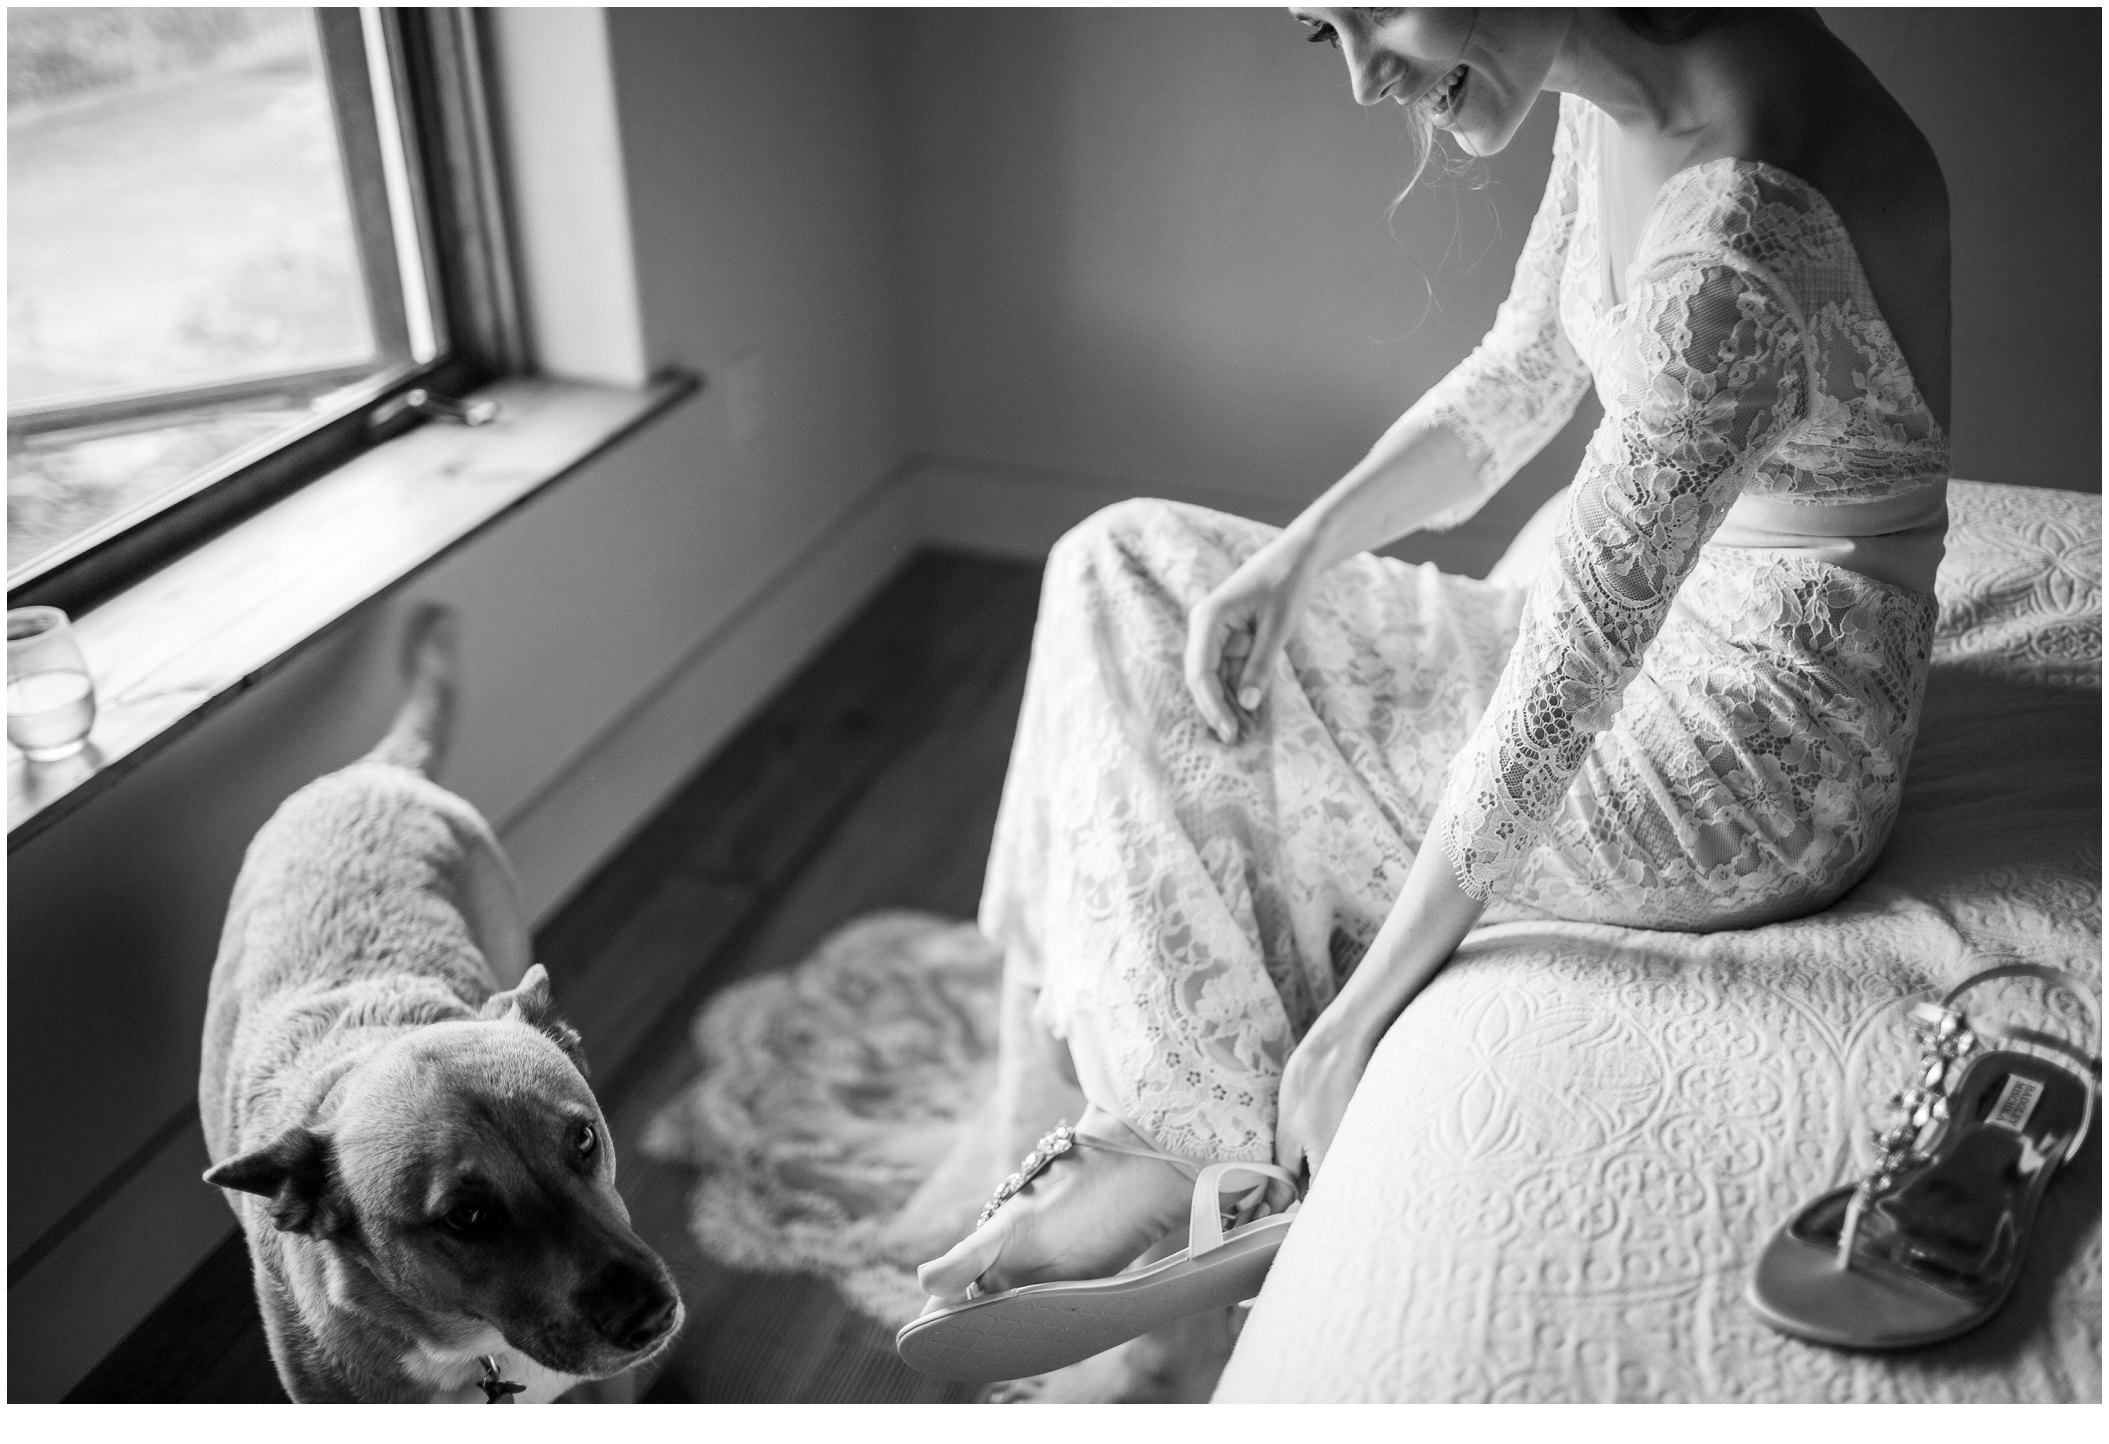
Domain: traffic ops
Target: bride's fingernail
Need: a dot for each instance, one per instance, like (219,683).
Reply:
(1249,698)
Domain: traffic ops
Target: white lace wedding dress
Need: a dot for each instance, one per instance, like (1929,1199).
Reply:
(1696,715)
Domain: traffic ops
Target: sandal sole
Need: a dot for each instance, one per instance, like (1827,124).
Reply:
(1040,1327)
(1850,1315)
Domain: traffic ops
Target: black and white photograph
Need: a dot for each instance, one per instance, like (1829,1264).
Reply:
(1213,705)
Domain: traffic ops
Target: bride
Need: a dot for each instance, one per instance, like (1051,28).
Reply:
(1265,782)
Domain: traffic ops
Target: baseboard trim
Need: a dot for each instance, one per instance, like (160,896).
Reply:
(46,1243)
(99,1281)
(1019,511)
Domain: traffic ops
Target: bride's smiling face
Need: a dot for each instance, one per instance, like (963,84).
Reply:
(1473,73)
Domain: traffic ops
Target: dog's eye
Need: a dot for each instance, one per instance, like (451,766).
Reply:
(466,1217)
(588,1140)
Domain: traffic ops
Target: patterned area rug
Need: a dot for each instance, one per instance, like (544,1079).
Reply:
(830,1099)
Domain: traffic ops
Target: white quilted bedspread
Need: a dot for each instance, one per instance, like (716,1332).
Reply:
(1567,1153)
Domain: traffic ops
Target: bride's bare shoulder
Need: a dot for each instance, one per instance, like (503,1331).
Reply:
(1812,107)
(1830,121)
(1880,173)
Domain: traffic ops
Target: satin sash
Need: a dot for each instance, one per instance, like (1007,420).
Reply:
(1894,539)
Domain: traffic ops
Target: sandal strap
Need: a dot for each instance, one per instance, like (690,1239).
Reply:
(2042,1040)
(1205,1219)
(2090,1063)
(1091,1140)
(2056,977)
(1205,1224)
(1936,1013)
(1052,1145)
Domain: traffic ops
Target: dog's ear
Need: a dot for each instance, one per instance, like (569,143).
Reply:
(530,999)
(297,1171)
(530,1003)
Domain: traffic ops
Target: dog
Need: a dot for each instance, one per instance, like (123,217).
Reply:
(399,1119)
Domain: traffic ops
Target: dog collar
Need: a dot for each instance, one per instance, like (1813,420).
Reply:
(497,1389)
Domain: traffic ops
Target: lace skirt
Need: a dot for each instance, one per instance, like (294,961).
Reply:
(1184,908)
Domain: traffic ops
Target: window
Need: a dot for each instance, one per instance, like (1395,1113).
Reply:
(235,237)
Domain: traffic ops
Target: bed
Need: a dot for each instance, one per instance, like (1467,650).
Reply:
(1565,1156)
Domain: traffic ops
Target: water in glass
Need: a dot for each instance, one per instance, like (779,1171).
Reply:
(50,696)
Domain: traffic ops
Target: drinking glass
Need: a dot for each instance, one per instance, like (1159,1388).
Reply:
(50,697)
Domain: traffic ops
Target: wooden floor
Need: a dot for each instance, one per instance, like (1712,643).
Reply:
(870,781)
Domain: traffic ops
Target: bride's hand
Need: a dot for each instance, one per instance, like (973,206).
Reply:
(1320,1078)
(1234,633)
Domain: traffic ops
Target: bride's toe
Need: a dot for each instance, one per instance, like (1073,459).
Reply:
(946,1277)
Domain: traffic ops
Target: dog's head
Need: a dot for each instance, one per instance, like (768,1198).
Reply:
(466,1169)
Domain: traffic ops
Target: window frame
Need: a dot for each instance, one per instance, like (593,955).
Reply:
(440,61)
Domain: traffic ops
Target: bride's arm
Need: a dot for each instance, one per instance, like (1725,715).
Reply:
(1463,440)
(1418,472)
(1433,468)
(1716,376)
(1429,919)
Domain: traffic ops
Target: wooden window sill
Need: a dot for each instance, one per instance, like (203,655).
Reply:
(173,648)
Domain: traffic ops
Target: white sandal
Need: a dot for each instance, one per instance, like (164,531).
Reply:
(1037,1327)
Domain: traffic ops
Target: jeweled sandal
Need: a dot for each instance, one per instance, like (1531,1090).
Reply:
(1930,1243)
(1037,1327)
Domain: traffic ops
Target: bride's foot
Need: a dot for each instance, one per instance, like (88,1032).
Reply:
(1089,1215)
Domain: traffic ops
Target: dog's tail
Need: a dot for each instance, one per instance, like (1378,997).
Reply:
(425,723)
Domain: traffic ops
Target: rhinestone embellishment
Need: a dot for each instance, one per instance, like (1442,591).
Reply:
(1050,1147)
(1945,1040)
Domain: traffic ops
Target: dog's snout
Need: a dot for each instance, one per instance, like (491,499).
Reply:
(648,1323)
(632,1309)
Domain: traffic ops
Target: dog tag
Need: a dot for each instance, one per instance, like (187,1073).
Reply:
(497,1389)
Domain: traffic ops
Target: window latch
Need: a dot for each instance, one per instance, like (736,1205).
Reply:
(438,408)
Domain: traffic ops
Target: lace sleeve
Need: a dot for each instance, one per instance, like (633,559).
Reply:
(1710,375)
(1523,381)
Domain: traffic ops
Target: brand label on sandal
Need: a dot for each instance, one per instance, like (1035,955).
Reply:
(2016,1101)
